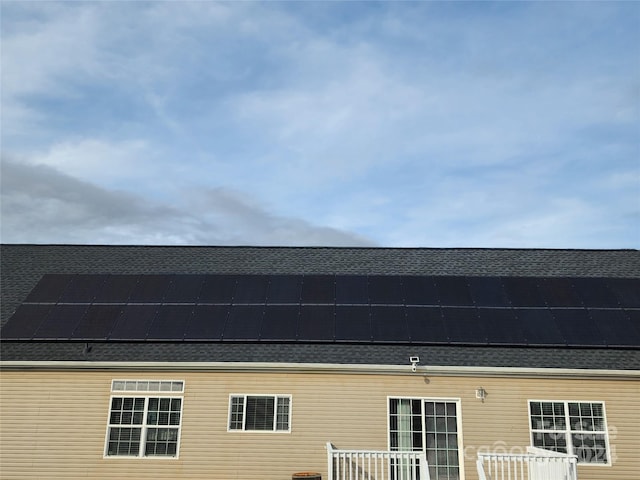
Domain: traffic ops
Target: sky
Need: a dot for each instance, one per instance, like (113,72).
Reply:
(388,124)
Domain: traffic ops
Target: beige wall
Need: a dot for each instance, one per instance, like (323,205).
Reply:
(53,423)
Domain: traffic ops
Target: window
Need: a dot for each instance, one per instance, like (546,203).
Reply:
(144,425)
(431,426)
(576,428)
(270,413)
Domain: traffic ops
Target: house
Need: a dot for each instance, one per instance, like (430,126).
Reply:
(242,362)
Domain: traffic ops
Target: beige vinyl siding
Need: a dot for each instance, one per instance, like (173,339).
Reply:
(53,423)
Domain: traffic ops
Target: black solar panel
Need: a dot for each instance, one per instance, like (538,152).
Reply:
(488,292)
(453,291)
(284,289)
(577,327)
(218,289)
(626,290)
(251,289)
(280,322)
(353,323)
(502,326)
(207,322)
(351,289)
(389,324)
(61,322)
(463,325)
(134,322)
(326,308)
(49,289)
(559,292)
(25,321)
(594,292)
(244,322)
(420,291)
(184,289)
(83,288)
(426,325)
(116,289)
(385,290)
(616,327)
(97,322)
(523,291)
(150,289)
(318,289)
(170,322)
(317,322)
(539,327)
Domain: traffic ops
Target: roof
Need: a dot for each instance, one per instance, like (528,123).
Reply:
(23,266)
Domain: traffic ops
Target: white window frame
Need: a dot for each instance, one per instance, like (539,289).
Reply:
(568,431)
(145,389)
(457,401)
(275,397)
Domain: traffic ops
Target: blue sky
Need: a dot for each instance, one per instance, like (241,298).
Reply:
(395,124)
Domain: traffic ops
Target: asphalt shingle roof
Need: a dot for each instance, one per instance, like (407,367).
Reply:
(23,265)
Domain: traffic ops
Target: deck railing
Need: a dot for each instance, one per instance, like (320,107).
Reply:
(376,465)
(536,464)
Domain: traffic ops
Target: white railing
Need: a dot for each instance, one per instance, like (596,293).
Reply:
(376,465)
(536,464)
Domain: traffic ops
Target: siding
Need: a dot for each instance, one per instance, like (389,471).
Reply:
(53,424)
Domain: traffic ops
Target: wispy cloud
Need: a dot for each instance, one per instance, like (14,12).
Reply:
(438,124)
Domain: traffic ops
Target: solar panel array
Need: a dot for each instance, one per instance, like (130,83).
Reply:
(603,312)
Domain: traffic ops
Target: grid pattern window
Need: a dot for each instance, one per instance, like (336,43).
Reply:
(431,426)
(576,428)
(144,425)
(266,413)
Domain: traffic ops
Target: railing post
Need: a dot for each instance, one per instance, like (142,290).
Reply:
(330,461)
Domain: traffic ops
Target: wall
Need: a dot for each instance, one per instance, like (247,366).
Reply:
(53,423)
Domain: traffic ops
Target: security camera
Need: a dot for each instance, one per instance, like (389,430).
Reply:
(414,363)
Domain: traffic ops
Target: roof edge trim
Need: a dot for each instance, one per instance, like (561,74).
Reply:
(257,367)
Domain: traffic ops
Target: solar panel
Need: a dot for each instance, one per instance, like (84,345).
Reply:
(317,322)
(617,328)
(170,322)
(251,289)
(280,322)
(426,325)
(116,289)
(389,324)
(502,327)
(244,322)
(594,292)
(559,292)
(577,327)
(61,322)
(97,322)
(420,291)
(49,289)
(352,290)
(318,289)
(218,289)
(523,291)
(83,288)
(25,321)
(488,292)
(539,327)
(184,289)
(453,291)
(385,290)
(463,325)
(353,323)
(284,289)
(134,322)
(150,289)
(626,290)
(207,322)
